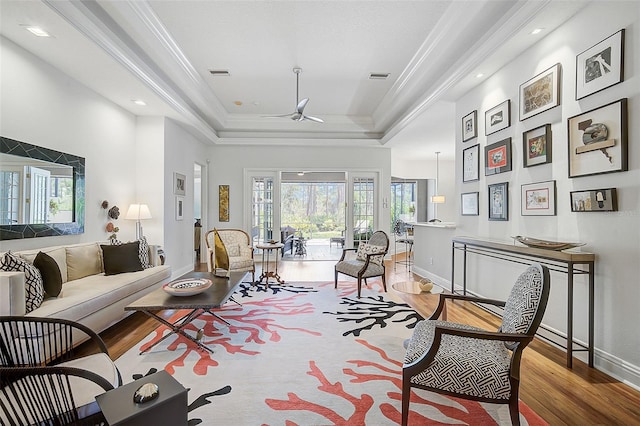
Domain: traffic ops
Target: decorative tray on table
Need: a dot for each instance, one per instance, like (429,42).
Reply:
(545,244)
(187,287)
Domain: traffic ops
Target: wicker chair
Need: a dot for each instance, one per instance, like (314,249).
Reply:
(369,261)
(471,363)
(43,380)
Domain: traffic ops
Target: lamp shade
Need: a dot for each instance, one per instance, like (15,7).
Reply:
(438,199)
(138,211)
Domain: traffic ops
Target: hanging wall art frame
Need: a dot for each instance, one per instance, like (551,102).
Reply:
(598,140)
(600,66)
(497,157)
(179,208)
(499,201)
(471,163)
(497,118)
(223,203)
(538,199)
(540,93)
(469,204)
(179,184)
(594,200)
(470,126)
(536,146)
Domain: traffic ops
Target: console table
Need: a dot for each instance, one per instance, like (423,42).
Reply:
(570,263)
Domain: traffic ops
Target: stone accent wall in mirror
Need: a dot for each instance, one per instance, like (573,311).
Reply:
(41,191)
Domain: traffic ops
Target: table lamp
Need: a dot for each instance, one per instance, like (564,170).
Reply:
(138,212)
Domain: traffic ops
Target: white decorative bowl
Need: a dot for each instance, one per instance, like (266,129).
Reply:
(187,287)
(425,285)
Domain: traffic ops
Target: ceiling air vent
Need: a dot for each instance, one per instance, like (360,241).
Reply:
(378,75)
(220,73)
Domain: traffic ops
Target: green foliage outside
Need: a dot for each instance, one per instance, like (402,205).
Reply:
(317,210)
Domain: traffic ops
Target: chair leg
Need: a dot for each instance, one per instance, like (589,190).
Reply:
(384,283)
(360,286)
(514,411)
(336,279)
(406,395)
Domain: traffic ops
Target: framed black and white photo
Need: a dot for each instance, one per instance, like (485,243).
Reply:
(179,184)
(471,163)
(538,199)
(179,208)
(469,126)
(594,200)
(536,146)
(600,66)
(497,118)
(540,93)
(598,140)
(497,157)
(499,201)
(469,204)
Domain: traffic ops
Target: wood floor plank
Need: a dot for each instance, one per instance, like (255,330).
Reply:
(561,396)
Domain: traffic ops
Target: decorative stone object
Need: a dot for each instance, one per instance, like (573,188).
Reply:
(114,212)
(145,393)
(105,204)
(425,285)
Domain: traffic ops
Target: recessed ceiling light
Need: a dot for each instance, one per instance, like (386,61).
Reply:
(378,76)
(239,103)
(536,31)
(220,73)
(37,31)
(479,75)
(139,102)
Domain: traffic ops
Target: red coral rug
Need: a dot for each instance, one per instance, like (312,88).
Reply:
(304,354)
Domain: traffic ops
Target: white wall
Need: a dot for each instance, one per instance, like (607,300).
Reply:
(42,106)
(614,237)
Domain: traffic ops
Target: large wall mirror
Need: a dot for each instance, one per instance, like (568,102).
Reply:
(41,191)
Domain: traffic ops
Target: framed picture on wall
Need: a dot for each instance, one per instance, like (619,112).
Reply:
(469,126)
(536,146)
(179,208)
(499,201)
(540,93)
(469,204)
(600,66)
(223,203)
(497,118)
(594,200)
(179,184)
(497,157)
(471,163)
(598,140)
(538,199)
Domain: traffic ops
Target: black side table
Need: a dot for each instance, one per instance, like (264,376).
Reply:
(169,408)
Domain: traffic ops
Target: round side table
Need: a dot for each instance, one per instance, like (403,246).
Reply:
(267,248)
(413,287)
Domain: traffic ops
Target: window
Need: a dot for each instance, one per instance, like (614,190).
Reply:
(403,201)
(262,209)
(9,197)
(363,209)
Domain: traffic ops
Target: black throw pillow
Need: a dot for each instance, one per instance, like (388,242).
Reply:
(121,258)
(50,271)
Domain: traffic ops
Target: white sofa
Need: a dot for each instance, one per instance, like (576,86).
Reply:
(95,300)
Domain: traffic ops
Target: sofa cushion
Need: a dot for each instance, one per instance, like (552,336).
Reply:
(121,258)
(86,296)
(34,289)
(50,271)
(83,260)
(58,253)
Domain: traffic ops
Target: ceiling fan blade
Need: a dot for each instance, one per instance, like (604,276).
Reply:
(278,116)
(301,105)
(316,119)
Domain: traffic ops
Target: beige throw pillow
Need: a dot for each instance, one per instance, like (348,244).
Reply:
(83,260)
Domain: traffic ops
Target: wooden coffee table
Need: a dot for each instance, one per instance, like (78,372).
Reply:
(214,297)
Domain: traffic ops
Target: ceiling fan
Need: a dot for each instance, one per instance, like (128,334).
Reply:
(298,114)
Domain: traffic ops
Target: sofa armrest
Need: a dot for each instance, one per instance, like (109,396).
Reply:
(12,293)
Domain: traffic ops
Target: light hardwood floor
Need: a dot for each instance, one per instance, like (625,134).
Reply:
(561,396)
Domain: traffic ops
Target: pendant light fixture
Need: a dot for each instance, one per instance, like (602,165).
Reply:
(437,199)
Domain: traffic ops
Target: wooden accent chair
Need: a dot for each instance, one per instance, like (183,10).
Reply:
(233,252)
(369,261)
(471,363)
(43,381)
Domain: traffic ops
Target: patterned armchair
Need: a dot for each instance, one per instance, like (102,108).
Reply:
(471,363)
(369,261)
(43,380)
(233,253)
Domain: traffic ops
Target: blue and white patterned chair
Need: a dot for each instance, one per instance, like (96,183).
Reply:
(369,261)
(471,363)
